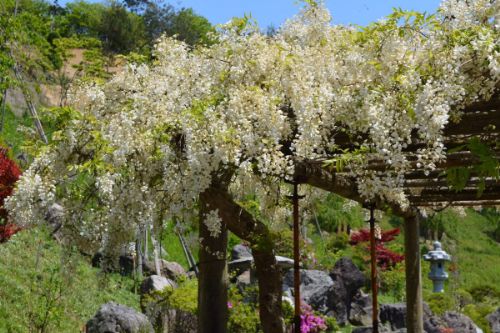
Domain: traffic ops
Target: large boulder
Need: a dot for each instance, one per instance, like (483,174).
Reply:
(116,318)
(494,320)
(346,272)
(314,288)
(347,280)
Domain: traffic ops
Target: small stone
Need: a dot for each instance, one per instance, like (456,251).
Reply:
(156,283)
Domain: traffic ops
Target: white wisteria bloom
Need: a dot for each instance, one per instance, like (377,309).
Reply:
(144,145)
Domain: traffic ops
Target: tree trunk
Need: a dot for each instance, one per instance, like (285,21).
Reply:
(245,226)
(213,279)
(414,308)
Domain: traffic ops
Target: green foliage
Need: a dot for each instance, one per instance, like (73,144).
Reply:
(173,248)
(392,282)
(487,166)
(83,19)
(334,212)
(346,157)
(46,288)
(10,134)
(440,303)
(338,242)
(243,315)
(121,30)
(462,298)
(332,325)
(325,256)
(485,294)
(473,249)
(243,318)
(478,313)
(185,297)
(190,27)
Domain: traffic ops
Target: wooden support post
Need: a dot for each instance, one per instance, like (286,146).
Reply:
(414,307)
(213,279)
(296,257)
(374,282)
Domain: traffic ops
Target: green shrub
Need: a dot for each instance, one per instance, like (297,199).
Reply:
(463,298)
(440,303)
(243,318)
(185,297)
(338,242)
(243,315)
(332,325)
(485,293)
(392,282)
(478,313)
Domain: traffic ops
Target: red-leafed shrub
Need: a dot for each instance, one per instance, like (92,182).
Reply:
(9,174)
(386,258)
(7,230)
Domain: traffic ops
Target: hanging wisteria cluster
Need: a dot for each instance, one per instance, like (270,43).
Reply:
(141,147)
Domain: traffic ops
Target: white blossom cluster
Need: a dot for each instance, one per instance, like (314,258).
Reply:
(143,146)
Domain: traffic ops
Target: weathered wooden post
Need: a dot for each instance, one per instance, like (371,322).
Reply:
(414,307)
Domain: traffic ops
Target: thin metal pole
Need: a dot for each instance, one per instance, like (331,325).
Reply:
(373,271)
(317,225)
(296,258)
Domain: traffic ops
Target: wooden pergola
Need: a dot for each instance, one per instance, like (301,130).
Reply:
(423,188)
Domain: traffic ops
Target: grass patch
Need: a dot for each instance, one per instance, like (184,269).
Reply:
(45,288)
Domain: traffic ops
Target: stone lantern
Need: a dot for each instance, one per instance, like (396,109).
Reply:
(437,257)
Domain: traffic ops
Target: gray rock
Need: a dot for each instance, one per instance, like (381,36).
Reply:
(348,273)
(172,270)
(156,283)
(244,280)
(460,323)
(381,329)
(361,310)
(364,329)
(54,218)
(394,315)
(314,287)
(347,279)
(116,318)
(494,320)
(240,251)
(178,321)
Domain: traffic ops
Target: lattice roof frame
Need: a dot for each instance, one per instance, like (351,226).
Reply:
(426,189)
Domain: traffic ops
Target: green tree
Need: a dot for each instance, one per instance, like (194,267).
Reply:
(190,27)
(121,30)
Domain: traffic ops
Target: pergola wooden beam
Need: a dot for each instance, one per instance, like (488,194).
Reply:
(424,188)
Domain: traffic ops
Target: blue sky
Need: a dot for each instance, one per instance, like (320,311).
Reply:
(275,12)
